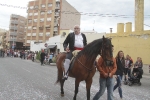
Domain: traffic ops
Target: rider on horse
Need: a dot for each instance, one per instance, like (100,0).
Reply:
(76,41)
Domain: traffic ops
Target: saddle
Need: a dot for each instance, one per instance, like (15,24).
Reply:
(75,53)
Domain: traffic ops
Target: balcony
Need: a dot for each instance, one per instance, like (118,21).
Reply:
(55,34)
(14,16)
(40,27)
(55,23)
(55,29)
(47,26)
(57,7)
(13,27)
(56,14)
(13,39)
(14,21)
(58,1)
(13,33)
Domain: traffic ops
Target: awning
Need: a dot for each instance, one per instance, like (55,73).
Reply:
(51,46)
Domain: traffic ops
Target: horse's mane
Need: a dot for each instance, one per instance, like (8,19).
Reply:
(91,50)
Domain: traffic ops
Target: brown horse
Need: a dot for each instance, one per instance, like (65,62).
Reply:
(83,66)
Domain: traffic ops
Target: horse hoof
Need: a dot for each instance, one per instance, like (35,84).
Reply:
(62,94)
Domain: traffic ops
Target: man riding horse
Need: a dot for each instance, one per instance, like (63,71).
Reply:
(76,41)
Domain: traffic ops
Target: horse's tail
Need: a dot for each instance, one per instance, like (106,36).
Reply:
(59,62)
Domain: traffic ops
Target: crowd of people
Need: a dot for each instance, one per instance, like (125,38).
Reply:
(23,54)
(29,55)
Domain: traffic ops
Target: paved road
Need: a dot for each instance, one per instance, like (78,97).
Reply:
(27,80)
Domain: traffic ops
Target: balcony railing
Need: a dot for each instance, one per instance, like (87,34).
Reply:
(55,34)
(13,27)
(55,29)
(57,7)
(57,0)
(56,14)
(47,26)
(13,33)
(14,22)
(13,39)
(14,16)
(40,27)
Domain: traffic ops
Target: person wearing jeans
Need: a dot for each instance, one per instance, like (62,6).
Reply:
(118,84)
(120,61)
(106,78)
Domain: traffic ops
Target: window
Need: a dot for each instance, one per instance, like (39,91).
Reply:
(21,21)
(48,19)
(33,34)
(29,34)
(28,41)
(42,20)
(29,21)
(40,40)
(50,5)
(42,12)
(56,13)
(47,33)
(34,40)
(36,7)
(57,5)
(40,34)
(30,14)
(29,27)
(35,20)
(21,27)
(42,5)
(49,11)
(20,33)
(35,14)
(34,27)
(31,7)
(20,38)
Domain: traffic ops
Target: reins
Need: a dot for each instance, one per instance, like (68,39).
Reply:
(85,66)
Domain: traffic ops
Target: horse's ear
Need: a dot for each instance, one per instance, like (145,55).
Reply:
(103,37)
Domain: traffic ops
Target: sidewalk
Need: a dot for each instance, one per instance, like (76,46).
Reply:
(146,75)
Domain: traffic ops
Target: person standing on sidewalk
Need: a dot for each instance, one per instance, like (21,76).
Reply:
(42,56)
(120,61)
(128,65)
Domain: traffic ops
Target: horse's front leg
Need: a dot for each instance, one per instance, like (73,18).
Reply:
(88,87)
(76,88)
(62,87)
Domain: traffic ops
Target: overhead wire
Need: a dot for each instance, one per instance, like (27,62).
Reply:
(77,13)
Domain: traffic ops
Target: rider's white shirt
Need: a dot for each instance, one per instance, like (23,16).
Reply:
(78,41)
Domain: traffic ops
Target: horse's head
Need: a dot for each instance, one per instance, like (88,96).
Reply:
(106,48)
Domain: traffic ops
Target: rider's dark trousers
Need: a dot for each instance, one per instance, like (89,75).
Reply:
(69,55)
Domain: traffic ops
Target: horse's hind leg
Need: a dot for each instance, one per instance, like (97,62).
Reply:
(88,87)
(76,88)
(62,87)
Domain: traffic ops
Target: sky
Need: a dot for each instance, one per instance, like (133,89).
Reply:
(101,24)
